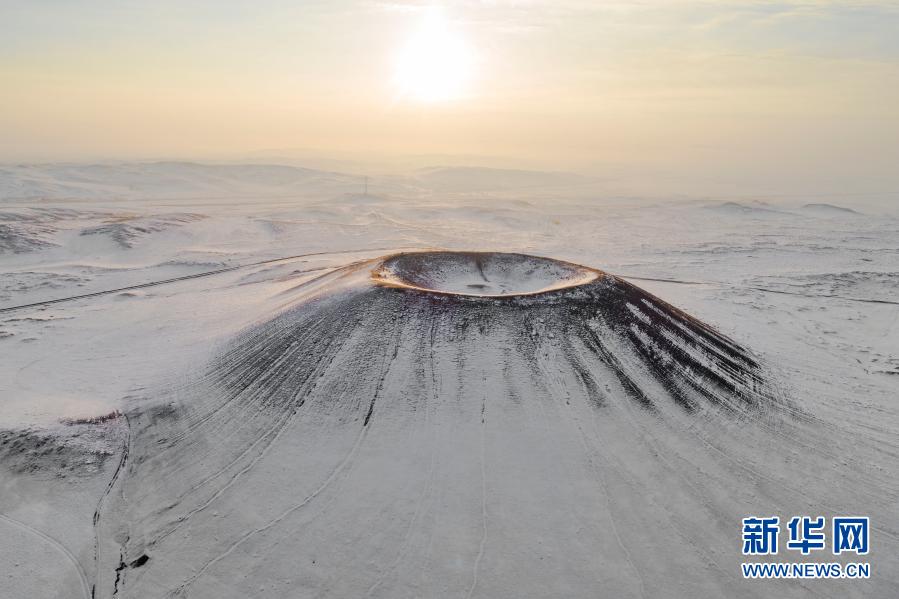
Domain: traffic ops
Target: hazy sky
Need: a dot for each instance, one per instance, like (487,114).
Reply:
(727,88)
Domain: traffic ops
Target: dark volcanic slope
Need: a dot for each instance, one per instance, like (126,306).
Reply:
(385,441)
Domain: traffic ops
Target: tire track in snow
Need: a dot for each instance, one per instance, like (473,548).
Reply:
(591,450)
(126,450)
(58,546)
(267,440)
(426,496)
(483,543)
(600,480)
(198,275)
(345,466)
(652,442)
(724,285)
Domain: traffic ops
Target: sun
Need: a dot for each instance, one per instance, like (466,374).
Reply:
(435,64)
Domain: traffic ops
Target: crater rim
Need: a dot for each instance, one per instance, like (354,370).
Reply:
(480,274)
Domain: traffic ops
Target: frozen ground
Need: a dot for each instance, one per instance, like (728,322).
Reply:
(500,461)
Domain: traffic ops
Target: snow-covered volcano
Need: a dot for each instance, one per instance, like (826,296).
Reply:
(433,424)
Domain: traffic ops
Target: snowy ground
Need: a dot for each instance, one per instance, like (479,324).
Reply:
(540,498)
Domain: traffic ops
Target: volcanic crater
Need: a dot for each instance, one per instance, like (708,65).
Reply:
(395,404)
(482,274)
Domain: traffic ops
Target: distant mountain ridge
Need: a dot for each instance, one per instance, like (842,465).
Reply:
(471,178)
(163,179)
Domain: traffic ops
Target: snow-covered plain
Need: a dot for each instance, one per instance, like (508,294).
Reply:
(196,417)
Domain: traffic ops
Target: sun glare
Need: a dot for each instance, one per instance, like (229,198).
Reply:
(435,65)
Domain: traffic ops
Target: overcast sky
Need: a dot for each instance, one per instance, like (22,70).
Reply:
(736,90)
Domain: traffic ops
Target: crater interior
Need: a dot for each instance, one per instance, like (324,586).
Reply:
(481,274)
